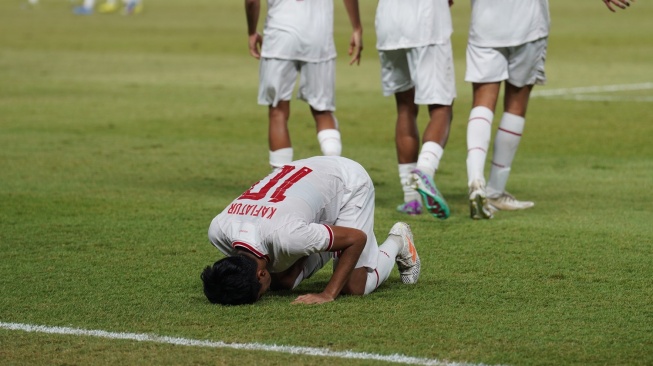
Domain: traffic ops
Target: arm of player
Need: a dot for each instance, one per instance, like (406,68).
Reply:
(351,243)
(252,11)
(623,4)
(356,41)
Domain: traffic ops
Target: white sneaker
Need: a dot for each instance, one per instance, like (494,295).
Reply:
(508,202)
(407,259)
(478,202)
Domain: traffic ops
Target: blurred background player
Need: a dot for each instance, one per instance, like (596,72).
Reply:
(507,43)
(291,223)
(110,6)
(298,39)
(414,44)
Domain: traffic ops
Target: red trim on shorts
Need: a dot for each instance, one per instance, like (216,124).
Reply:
(250,249)
(377,278)
(330,237)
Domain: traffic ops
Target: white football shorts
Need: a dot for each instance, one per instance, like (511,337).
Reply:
(520,65)
(358,212)
(317,80)
(429,69)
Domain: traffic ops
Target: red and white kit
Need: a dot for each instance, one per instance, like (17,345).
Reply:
(284,216)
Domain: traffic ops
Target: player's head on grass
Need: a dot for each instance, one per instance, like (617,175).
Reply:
(235,280)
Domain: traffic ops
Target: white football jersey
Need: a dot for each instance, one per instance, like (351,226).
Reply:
(284,216)
(299,30)
(412,23)
(507,23)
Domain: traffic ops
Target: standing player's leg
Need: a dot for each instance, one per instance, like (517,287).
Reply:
(525,69)
(506,143)
(396,81)
(432,73)
(328,135)
(486,68)
(435,139)
(479,131)
(407,143)
(276,82)
(281,152)
(317,88)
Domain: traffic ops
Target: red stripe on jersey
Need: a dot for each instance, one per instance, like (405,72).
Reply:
(330,237)
(251,249)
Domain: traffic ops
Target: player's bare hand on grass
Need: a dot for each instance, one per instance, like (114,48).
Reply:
(313,299)
(356,47)
(623,4)
(255,43)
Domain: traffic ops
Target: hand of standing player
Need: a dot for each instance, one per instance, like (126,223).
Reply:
(623,4)
(356,47)
(255,42)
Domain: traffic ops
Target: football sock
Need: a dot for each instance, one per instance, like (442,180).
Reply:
(479,129)
(330,142)
(281,157)
(410,194)
(506,142)
(88,4)
(385,263)
(429,157)
(313,263)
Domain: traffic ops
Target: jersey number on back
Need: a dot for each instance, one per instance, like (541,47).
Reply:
(282,186)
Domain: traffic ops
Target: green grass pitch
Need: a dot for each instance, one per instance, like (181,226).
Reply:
(122,137)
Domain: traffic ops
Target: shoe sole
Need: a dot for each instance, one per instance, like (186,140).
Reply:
(435,203)
(410,274)
(408,212)
(477,206)
(411,277)
(503,207)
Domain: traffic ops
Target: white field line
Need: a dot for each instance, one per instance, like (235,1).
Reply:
(606,98)
(308,351)
(580,92)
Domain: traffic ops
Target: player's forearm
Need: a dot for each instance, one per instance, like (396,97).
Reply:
(346,264)
(354,14)
(350,242)
(252,11)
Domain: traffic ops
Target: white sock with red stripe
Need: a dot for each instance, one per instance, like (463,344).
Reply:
(479,130)
(410,194)
(429,158)
(505,147)
(281,157)
(385,263)
(330,142)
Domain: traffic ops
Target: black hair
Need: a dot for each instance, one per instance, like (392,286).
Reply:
(232,281)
